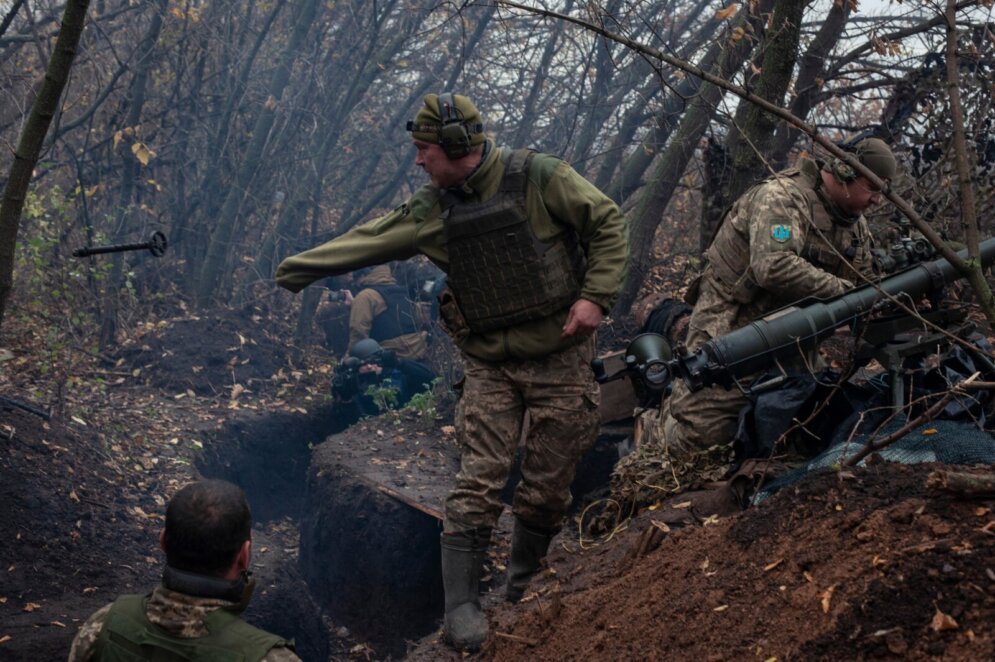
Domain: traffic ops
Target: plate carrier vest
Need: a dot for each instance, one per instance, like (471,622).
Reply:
(399,319)
(500,272)
(129,636)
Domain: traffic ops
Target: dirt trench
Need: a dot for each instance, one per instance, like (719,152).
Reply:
(356,515)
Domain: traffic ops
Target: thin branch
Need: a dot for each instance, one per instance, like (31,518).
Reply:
(904,207)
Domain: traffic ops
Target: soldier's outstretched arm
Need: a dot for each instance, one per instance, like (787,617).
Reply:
(390,237)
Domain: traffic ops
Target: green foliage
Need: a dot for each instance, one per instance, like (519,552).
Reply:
(424,403)
(384,395)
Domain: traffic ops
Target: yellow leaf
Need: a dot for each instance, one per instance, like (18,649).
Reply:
(737,34)
(4,639)
(142,153)
(118,136)
(32,606)
(721,608)
(826,596)
(943,622)
(771,566)
(929,432)
(726,12)
(660,525)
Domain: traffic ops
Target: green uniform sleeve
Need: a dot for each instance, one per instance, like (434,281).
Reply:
(390,237)
(779,223)
(573,200)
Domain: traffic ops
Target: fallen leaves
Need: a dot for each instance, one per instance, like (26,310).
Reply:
(772,565)
(825,598)
(726,12)
(942,622)
(31,606)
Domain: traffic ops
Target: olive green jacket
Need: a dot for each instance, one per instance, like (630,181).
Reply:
(415,227)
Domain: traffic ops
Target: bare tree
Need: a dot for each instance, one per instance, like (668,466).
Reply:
(33,137)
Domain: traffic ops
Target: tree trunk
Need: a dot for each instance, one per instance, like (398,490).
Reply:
(33,137)
(218,249)
(750,137)
(674,161)
(811,78)
(130,172)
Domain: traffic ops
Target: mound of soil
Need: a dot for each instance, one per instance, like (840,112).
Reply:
(851,565)
(77,531)
(208,355)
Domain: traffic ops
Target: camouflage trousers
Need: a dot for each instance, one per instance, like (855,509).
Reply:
(561,398)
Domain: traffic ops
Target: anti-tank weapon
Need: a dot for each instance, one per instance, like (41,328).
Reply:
(782,334)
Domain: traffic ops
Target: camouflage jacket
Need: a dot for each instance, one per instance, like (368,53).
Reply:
(179,614)
(557,198)
(778,244)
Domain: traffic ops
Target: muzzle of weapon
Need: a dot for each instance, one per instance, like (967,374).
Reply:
(800,327)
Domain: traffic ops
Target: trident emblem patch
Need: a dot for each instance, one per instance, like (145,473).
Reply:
(780,232)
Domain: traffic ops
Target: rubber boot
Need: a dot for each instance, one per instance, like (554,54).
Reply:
(528,547)
(463,555)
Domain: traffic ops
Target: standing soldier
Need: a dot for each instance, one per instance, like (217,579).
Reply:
(535,256)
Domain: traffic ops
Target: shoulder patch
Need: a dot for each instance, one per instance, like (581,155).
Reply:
(780,232)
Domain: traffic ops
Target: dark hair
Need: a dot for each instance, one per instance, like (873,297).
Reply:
(206,524)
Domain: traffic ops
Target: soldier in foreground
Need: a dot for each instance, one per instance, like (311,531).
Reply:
(535,256)
(799,234)
(193,614)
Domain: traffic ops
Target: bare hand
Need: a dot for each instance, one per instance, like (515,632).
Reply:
(583,318)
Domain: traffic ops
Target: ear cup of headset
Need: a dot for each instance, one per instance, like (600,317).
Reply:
(842,171)
(454,140)
(453,136)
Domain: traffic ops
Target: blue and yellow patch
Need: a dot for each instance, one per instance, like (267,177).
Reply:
(780,232)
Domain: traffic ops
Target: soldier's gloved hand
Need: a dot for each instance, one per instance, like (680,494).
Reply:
(583,318)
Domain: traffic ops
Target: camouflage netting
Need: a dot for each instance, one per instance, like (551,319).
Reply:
(650,473)
(950,442)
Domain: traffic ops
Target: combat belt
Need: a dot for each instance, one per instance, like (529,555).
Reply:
(501,273)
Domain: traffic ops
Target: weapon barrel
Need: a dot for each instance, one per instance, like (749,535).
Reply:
(756,346)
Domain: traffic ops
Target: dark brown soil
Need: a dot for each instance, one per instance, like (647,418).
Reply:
(207,354)
(82,495)
(856,565)
(860,565)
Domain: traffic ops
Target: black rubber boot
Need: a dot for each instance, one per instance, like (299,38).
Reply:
(463,555)
(528,547)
